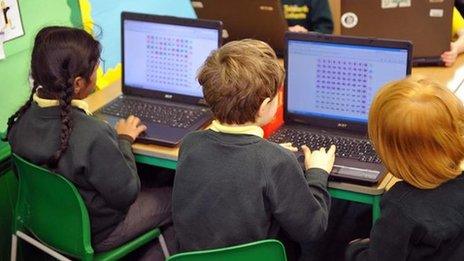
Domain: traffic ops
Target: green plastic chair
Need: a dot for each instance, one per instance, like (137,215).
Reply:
(268,250)
(50,208)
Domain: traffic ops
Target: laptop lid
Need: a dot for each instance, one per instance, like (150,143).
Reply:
(258,19)
(331,80)
(427,24)
(161,55)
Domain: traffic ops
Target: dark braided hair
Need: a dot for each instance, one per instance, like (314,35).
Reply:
(66,123)
(60,55)
(13,118)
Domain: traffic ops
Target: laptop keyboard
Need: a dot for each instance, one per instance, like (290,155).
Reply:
(352,148)
(169,115)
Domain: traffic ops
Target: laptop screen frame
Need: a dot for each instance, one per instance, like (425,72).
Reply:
(237,24)
(345,125)
(416,19)
(170,20)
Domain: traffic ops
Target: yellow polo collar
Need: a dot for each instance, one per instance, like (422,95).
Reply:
(44,103)
(237,130)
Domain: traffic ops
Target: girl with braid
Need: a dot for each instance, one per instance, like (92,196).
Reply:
(54,129)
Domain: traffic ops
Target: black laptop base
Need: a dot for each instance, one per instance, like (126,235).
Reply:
(345,174)
(151,136)
(427,61)
(159,133)
(353,167)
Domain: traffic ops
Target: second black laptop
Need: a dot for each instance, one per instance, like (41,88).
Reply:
(160,59)
(330,83)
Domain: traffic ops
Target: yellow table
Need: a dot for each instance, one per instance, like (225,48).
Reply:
(439,74)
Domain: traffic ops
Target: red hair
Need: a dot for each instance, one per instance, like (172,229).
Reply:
(417,127)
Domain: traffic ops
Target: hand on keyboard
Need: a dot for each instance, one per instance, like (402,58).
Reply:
(347,147)
(319,158)
(289,146)
(130,126)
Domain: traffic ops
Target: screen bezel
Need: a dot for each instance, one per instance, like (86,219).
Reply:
(169,20)
(354,126)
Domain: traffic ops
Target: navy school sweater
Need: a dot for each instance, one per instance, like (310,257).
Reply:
(314,15)
(417,224)
(97,162)
(232,189)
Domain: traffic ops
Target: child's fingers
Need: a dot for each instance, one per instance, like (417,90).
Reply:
(119,122)
(289,147)
(331,150)
(141,128)
(448,61)
(130,119)
(301,29)
(448,56)
(136,121)
(306,150)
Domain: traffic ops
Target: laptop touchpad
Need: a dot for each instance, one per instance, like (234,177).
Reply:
(356,173)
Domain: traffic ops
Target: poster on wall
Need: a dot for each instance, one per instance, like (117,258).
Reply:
(10,20)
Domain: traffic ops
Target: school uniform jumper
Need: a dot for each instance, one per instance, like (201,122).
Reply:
(314,15)
(98,162)
(231,189)
(417,224)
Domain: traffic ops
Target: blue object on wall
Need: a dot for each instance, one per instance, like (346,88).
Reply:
(106,15)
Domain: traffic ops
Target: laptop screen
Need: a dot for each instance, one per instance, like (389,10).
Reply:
(338,81)
(165,57)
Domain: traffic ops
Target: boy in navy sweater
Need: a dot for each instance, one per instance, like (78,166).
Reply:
(231,185)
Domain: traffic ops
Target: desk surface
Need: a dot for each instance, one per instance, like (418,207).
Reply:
(100,98)
(439,74)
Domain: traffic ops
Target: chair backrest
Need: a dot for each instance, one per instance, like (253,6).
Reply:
(51,208)
(269,250)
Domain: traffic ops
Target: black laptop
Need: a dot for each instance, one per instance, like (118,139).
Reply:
(330,83)
(160,59)
(258,19)
(427,24)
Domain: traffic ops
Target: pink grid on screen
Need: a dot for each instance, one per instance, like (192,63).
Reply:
(169,61)
(343,85)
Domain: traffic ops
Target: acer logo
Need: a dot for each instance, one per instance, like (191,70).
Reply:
(342,125)
(168,96)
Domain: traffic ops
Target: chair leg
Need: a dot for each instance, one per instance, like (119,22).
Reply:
(14,247)
(42,247)
(164,247)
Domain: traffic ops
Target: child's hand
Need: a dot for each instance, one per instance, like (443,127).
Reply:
(289,146)
(450,56)
(319,158)
(297,29)
(131,126)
